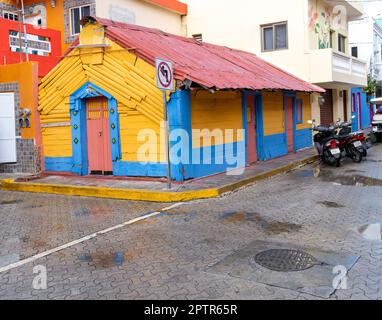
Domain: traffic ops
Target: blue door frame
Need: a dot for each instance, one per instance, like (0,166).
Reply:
(78,126)
(294,111)
(259,123)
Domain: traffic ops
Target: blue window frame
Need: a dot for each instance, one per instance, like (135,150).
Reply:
(299,111)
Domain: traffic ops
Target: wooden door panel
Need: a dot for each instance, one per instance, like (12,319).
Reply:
(251,130)
(98,135)
(326,108)
(289,127)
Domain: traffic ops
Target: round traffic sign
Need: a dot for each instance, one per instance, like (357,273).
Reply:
(164,73)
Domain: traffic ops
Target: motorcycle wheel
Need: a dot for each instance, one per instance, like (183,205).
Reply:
(355,154)
(373,138)
(329,159)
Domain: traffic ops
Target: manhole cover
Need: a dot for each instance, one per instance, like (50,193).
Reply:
(285,260)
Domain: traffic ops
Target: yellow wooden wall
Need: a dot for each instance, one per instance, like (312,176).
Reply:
(129,79)
(222,110)
(273,113)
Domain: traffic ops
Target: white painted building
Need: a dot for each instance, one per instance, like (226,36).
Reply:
(365,41)
(308,38)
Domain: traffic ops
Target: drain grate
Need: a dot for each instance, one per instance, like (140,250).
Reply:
(285,260)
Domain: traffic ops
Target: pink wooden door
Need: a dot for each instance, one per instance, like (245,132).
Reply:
(251,130)
(98,135)
(289,123)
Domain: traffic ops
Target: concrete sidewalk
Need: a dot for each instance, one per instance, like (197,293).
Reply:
(155,189)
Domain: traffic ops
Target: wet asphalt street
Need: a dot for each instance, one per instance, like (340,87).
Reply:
(205,249)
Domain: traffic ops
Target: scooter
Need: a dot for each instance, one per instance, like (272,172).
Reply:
(351,142)
(362,145)
(327,144)
(348,144)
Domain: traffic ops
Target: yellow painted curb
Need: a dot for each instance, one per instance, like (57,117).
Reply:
(142,195)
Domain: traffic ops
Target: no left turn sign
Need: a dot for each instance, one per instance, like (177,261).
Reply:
(164,74)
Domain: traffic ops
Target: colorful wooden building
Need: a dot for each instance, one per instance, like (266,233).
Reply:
(99,104)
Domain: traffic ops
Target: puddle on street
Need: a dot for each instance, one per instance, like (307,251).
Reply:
(272,226)
(354,171)
(331,204)
(372,231)
(35,243)
(105,260)
(354,177)
(83,212)
(13,201)
(372,160)
(305,173)
(8,259)
(349,180)
(57,227)
(308,173)
(179,216)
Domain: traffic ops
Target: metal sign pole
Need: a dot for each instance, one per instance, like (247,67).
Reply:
(167,142)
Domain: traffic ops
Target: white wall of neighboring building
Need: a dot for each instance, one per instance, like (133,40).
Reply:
(366,35)
(141,13)
(372,8)
(238,24)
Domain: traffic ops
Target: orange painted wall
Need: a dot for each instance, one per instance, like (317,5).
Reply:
(26,74)
(54,18)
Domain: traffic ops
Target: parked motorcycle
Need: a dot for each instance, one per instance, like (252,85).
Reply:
(327,144)
(352,144)
(360,136)
(349,145)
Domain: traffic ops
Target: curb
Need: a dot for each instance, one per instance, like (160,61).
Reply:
(145,195)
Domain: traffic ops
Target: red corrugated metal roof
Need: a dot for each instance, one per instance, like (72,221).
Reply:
(209,65)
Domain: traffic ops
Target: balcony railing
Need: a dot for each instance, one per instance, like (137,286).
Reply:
(345,64)
(378,71)
(331,66)
(43,45)
(36,44)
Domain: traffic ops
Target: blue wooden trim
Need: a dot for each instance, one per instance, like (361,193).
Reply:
(300,107)
(58,164)
(139,169)
(363,108)
(179,117)
(275,146)
(94,91)
(79,137)
(289,93)
(115,141)
(244,117)
(355,124)
(213,159)
(78,126)
(303,138)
